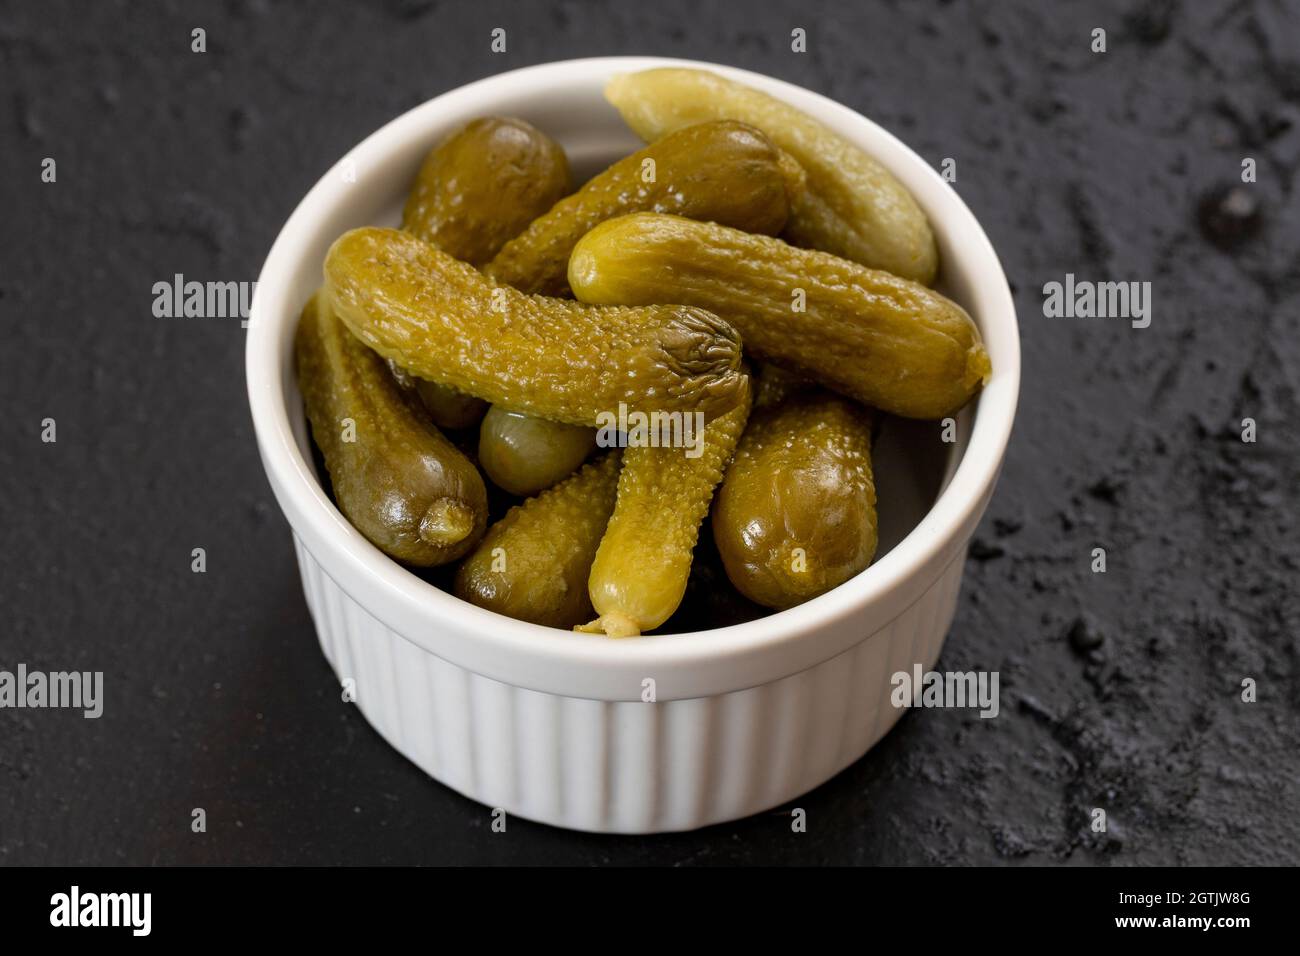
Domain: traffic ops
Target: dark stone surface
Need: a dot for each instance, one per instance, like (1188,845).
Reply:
(1116,166)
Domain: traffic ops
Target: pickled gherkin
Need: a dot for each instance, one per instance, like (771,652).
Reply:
(533,564)
(483,185)
(523,454)
(475,190)
(773,385)
(796,513)
(886,341)
(725,172)
(446,407)
(641,569)
(442,320)
(404,486)
(853,206)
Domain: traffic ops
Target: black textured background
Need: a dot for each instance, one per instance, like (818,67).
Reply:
(1108,166)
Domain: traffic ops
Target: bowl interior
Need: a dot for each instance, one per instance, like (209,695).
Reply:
(911,464)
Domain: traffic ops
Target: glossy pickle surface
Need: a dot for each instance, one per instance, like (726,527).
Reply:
(796,513)
(852,207)
(891,343)
(533,564)
(483,185)
(399,481)
(641,569)
(523,455)
(723,171)
(446,407)
(554,358)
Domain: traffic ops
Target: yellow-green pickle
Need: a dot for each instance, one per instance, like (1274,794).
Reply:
(796,513)
(447,408)
(483,185)
(533,564)
(852,206)
(523,455)
(476,190)
(889,342)
(641,570)
(725,172)
(774,385)
(396,478)
(554,358)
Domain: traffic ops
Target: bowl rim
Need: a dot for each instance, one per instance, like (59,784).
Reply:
(556,661)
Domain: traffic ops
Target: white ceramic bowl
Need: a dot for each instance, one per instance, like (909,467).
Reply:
(551,725)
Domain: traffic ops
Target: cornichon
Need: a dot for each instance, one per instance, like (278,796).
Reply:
(725,172)
(853,206)
(885,341)
(523,454)
(483,185)
(475,190)
(395,477)
(447,407)
(774,385)
(442,320)
(533,564)
(641,569)
(796,513)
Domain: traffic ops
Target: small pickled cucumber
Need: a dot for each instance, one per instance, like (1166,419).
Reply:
(483,185)
(644,561)
(773,385)
(447,407)
(889,342)
(724,172)
(796,513)
(554,358)
(533,564)
(395,477)
(523,454)
(477,189)
(853,206)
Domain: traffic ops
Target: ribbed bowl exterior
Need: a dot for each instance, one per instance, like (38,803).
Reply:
(620,766)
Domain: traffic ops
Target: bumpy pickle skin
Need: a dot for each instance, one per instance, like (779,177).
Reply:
(524,455)
(773,385)
(483,185)
(853,207)
(888,342)
(533,564)
(553,358)
(796,513)
(724,172)
(476,190)
(644,561)
(404,486)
